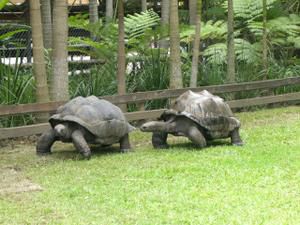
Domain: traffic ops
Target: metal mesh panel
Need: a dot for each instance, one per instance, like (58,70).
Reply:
(15,36)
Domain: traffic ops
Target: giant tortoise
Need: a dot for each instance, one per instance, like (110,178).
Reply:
(199,116)
(86,120)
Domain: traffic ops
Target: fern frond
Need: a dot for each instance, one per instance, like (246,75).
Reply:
(247,52)
(137,24)
(216,53)
(249,9)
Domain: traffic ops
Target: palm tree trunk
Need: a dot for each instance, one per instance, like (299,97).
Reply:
(60,80)
(192,11)
(109,11)
(93,14)
(175,63)
(196,46)
(264,41)
(230,44)
(144,5)
(121,53)
(39,69)
(164,22)
(47,23)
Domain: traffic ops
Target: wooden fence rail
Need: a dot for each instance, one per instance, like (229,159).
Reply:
(8,110)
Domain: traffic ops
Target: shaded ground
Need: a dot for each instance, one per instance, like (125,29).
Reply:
(12,180)
(221,184)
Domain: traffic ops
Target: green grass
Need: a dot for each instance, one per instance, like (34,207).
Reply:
(255,184)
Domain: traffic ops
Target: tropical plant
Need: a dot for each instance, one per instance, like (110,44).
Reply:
(16,87)
(99,81)
(3,3)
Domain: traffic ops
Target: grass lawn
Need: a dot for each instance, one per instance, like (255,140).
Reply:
(221,184)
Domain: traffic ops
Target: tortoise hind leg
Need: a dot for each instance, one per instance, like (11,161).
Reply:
(45,142)
(195,135)
(125,144)
(159,140)
(81,144)
(235,137)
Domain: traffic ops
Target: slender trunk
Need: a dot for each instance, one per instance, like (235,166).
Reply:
(93,11)
(144,5)
(39,69)
(264,41)
(47,23)
(175,63)
(196,46)
(93,14)
(60,80)
(230,44)
(192,11)
(164,23)
(109,11)
(121,53)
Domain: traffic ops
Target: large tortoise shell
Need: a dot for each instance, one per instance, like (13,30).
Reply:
(98,116)
(209,111)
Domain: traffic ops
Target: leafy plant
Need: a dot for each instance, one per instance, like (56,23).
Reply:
(100,80)
(16,87)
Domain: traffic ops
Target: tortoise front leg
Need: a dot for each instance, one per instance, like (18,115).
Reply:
(195,135)
(235,138)
(159,140)
(45,142)
(125,144)
(81,144)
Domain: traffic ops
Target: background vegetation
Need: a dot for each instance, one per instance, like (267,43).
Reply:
(147,64)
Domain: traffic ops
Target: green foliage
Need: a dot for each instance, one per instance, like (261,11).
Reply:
(99,81)
(9,31)
(150,71)
(249,10)
(210,30)
(105,45)
(136,25)
(16,87)
(3,3)
(282,31)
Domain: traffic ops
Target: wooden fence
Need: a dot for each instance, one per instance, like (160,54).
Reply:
(140,97)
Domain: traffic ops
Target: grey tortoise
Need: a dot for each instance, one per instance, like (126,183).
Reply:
(86,120)
(198,116)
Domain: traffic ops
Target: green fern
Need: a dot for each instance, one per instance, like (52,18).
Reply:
(249,10)
(210,30)
(244,51)
(137,24)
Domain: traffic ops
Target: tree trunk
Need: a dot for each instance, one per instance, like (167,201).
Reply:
(93,14)
(164,23)
(230,44)
(93,11)
(47,23)
(60,80)
(192,11)
(264,41)
(196,46)
(144,5)
(175,63)
(39,69)
(109,12)
(121,53)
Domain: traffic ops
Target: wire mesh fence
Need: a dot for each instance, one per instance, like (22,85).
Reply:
(16,41)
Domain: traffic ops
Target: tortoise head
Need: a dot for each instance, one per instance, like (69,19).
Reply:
(157,126)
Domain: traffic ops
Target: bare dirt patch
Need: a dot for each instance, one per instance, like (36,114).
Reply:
(12,180)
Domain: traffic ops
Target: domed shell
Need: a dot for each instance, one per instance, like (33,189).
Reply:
(100,117)
(208,110)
